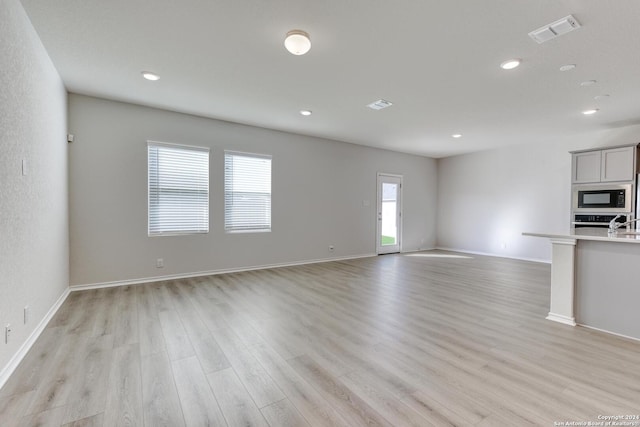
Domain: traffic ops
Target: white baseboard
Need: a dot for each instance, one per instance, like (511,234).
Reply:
(74,288)
(571,321)
(26,346)
(609,332)
(410,251)
(465,251)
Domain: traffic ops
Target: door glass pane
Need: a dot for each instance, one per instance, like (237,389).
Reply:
(389,227)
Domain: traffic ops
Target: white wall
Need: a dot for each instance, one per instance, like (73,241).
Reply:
(318,191)
(34,254)
(486,200)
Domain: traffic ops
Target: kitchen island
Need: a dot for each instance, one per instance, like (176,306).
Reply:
(595,279)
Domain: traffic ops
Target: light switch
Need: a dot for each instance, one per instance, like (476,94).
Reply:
(366,203)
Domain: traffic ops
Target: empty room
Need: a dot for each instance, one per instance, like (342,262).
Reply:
(297,213)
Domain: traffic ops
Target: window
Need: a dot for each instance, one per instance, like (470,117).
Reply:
(247,192)
(178,189)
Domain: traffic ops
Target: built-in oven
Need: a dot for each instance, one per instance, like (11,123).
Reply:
(602,198)
(597,221)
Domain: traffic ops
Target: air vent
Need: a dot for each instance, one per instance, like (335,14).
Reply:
(555,29)
(380,104)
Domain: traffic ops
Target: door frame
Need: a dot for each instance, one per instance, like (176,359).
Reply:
(378,212)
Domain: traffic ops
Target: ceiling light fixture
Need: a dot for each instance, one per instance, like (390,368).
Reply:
(150,76)
(599,97)
(510,64)
(590,112)
(456,135)
(297,42)
(305,112)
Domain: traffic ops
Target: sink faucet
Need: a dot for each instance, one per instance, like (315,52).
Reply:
(614,225)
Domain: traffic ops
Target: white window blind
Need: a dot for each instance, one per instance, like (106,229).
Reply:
(178,189)
(247,192)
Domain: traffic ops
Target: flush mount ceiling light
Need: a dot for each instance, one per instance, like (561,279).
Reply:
(305,112)
(297,42)
(510,64)
(600,97)
(568,67)
(150,76)
(590,112)
(456,135)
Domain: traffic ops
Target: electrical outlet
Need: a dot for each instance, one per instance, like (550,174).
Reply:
(159,263)
(331,248)
(7,333)
(26,314)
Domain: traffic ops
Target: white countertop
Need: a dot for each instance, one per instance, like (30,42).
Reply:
(599,234)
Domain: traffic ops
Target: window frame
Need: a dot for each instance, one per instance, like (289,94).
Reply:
(202,149)
(249,229)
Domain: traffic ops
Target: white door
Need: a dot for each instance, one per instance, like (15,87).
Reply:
(389,230)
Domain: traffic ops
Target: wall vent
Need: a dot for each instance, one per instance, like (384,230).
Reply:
(555,29)
(380,104)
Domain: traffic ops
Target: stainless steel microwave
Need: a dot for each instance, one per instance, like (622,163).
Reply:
(605,198)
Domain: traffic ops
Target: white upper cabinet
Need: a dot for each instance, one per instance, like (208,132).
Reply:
(586,167)
(617,164)
(608,165)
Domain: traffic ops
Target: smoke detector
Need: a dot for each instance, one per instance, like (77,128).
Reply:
(380,104)
(555,29)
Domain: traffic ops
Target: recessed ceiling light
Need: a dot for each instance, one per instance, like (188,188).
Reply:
(567,67)
(599,97)
(305,112)
(297,42)
(457,135)
(150,76)
(510,64)
(590,112)
(588,83)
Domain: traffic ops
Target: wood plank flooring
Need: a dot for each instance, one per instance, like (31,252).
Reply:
(424,339)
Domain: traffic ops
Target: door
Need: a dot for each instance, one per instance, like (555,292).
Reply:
(389,230)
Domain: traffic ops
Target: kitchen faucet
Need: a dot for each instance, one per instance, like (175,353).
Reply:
(614,225)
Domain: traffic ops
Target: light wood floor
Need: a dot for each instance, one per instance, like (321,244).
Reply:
(402,340)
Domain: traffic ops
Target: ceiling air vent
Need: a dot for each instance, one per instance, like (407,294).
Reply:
(380,104)
(555,29)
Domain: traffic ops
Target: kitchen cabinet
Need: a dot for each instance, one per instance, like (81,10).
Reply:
(617,164)
(586,167)
(606,165)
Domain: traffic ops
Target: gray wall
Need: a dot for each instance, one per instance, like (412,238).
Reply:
(318,191)
(487,199)
(34,260)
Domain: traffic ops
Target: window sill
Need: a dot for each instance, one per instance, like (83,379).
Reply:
(247,231)
(177,233)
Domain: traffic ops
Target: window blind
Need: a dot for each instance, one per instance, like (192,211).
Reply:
(178,189)
(247,192)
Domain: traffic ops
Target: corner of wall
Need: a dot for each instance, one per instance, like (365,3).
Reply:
(34,185)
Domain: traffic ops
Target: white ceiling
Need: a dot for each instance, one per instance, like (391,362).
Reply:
(436,60)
